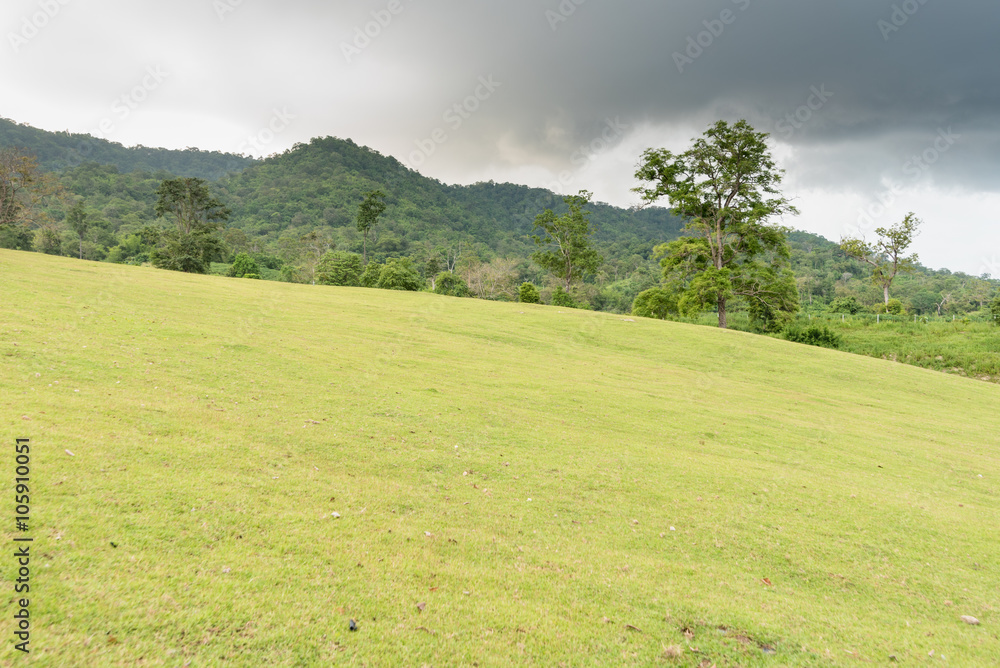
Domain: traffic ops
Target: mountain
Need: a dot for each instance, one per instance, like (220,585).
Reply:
(59,151)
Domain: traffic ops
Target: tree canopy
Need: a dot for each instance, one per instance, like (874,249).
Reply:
(885,256)
(566,247)
(726,187)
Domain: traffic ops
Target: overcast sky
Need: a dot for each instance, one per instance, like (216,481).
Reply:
(876,107)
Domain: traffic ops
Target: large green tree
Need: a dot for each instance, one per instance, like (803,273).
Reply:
(22,188)
(194,242)
(369,210)
(566,248)
(78,222)
(886,255)
(726,187)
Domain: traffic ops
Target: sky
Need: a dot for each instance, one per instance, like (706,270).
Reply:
(875,107)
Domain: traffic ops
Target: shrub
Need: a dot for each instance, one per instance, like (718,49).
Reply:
(369,277)
(528,293)
(995,310)
(243,264)
(813,335)
(257,276)
(339,268)
(654,303)
(399,274)
(562,298)
(895,307)
(447,283)
(849,305)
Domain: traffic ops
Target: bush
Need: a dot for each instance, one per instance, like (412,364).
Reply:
(447,283)
(369,277)
(243,264)
(814,336)
(339,268)
(399,274)
(995,310)
(528,294)
(654,303)
(561,298)
(849,305)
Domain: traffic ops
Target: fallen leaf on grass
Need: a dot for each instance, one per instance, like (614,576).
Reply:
(970,620)
(767,582)
(421,606)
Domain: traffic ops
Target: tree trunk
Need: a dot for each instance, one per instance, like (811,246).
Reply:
(364,248)
(723,322)
(885,289)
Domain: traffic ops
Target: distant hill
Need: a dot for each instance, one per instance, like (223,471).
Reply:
(58,151)
(321,183)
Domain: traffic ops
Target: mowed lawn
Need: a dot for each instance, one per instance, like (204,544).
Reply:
(254,464)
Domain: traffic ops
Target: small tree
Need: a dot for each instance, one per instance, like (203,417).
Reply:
(399,274)
(849,305)
(654,303)
(567,251)
(244,265)
(370,276)
(528,293)
(339,268)
(885,256)
(194,242)
(77,221)
(368,214)
(448,283)
(995,310)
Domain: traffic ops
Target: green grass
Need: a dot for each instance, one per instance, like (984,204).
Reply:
(962,347)
(557,487)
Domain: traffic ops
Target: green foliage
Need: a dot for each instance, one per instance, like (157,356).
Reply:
(243,264)
(813,335)
(528,293)
(562,298)
(370,276)
(340,268)
(63,150)
(369,210)
(448,283)
(895,307)
(567,251)
(656,303)
(726,186)
(253,275)
(399,274)
(77,221)
(194,242)
(885,256)
(849,305)
(995,310)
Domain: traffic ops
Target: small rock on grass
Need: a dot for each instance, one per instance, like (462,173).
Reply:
(970,620)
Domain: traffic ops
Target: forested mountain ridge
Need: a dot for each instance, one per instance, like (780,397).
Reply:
(321,184)
(59,151)
(313,190)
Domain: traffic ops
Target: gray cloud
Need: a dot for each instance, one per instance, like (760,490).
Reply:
(892,74)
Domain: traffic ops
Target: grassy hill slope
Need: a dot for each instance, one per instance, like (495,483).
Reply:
(514,483)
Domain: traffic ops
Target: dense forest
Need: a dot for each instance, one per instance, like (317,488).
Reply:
(286,212)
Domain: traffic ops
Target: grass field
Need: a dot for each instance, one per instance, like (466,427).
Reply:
(959,346)
(513,484)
